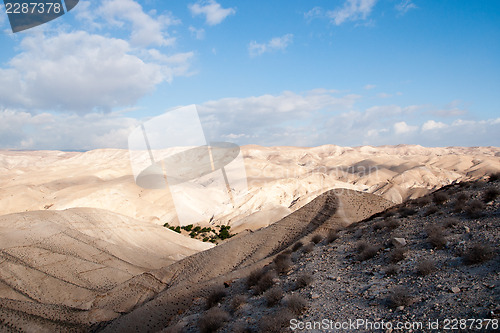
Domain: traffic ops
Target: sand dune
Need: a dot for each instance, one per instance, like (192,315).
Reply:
(280,179)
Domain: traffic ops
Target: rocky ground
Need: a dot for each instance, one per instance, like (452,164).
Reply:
(429,264)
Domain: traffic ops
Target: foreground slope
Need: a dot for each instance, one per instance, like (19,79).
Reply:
(150,298)
(195,276)
(433,261)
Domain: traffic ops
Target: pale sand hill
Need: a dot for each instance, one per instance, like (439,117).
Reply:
(69,257)
(280,179)
(156,294)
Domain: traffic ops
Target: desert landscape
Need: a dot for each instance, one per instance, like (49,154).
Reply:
(225,166)
(84,248)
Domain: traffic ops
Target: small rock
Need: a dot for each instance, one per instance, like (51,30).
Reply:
(455,290)
(467,229)
(401,308)
(315,296)
(399,241)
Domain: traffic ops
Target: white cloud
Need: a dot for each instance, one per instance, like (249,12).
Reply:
(314,13)
(353,10)
(452,109)
(81,72)
(403,128)
(432,125)
(404,6)
(214,13)
(197,33)
(277,43)
(260,117)
(22,130)
(370,86)
(146,30)
(384,95)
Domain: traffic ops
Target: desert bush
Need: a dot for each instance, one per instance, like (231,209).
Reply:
(391,223)
(265,282)
(212,320)
(450,222)
(361,245)
(332,236)
(461,197)
(474,209)
(254,277)
(389,213)
(308,248)
(378,225)
(397,254)
(391,270)
(276,323)
(296,304)
(216,296)
(237,302)
(477,254)
(494,177)
(303,281)
(435,236)
(490,194)
(282,263)
(399,297)
(273,296)
(316,239)
(440,198)
(406,211)
(431,210)
(425,267)
(368,252)
(297,246)
(423,201)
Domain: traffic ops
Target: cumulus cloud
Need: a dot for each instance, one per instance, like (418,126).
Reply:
(404,6)
(370,86)
(266,118)
(23,130)
(81,72)
(213,12)
(432,125)
(402,128)
(146,30)
(277,43)
(353,10)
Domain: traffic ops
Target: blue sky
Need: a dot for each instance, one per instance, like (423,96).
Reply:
(306,73)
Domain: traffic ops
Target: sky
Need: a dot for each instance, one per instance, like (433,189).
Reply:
(295,73)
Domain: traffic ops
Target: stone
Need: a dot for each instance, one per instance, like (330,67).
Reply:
(455,290)
(397,241)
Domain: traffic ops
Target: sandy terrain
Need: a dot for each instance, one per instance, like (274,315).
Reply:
(280,180)
(169,289)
